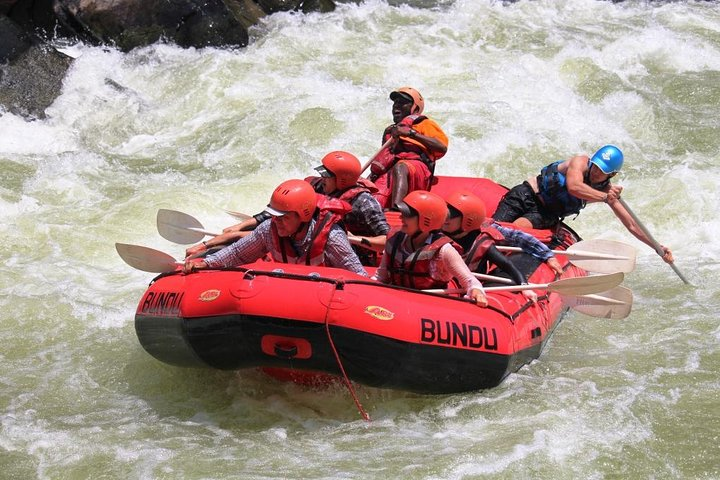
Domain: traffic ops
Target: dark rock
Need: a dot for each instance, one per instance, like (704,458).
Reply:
(273,6)
(31,71)
(32,80)
(13,40)
(38,19)
(247,12)
(133,23)
(6,5)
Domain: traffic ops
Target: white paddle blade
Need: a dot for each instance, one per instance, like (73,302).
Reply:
(615,303)
(586,285)
(566,286)
(178,227)
(570,286)
(239,215)
(603,256)
(146,259)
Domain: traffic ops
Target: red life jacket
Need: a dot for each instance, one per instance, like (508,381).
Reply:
(403,149)
(329,212)
(349,194)
(487,238)
(545,236)
(414,270)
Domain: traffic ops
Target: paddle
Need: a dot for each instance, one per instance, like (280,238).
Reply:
(603,256)
(615,303)
(369,162)
(240,216)
(655,244)
(566,286)
(180,227)
(147,259)
(610,304)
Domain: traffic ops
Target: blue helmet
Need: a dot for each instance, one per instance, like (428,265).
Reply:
(609,159)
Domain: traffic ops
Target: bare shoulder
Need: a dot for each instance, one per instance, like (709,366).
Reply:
(578,162)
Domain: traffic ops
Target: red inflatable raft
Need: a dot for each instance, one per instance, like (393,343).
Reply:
(331,321)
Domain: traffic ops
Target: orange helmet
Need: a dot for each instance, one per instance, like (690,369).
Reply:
(430,208)
(470,206)
(410,93)
(293,196)
(344,166)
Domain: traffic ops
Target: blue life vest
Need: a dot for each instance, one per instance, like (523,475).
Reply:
(553,191)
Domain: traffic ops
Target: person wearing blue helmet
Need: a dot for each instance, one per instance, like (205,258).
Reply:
(564,188)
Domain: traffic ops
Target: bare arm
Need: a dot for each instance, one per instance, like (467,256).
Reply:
(431,143)
(575,174)
(376,244)
(219,240)
(624,216)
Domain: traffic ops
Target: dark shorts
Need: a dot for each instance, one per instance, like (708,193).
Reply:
(521,201)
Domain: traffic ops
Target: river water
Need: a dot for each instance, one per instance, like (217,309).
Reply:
(515,86)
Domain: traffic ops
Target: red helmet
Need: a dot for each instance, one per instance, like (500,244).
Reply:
(470,206)
(431,209)
(293,196)
(343,165)
(410,94)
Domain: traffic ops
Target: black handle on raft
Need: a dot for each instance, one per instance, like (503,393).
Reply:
(286,351)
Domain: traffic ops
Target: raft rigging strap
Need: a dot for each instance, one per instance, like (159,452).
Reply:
(348,384)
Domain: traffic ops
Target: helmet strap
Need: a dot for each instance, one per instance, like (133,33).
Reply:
(300,228)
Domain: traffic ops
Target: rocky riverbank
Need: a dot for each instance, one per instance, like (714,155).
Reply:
(31,69)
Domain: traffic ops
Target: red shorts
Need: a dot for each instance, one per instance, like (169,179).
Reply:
(418,179)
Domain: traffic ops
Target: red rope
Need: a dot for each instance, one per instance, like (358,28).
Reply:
(363,413)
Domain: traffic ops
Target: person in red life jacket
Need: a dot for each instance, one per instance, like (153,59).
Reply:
(468,225)
(420,255)
(366,222)
(304,229)
(564,188)
(408,162)
(468,217)
(339,178)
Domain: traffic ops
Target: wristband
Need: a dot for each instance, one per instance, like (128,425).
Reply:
(365,242)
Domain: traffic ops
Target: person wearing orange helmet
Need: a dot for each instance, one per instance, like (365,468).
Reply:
(339,178)
(416,143)
(304,229)
(420,255)
(468,225)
